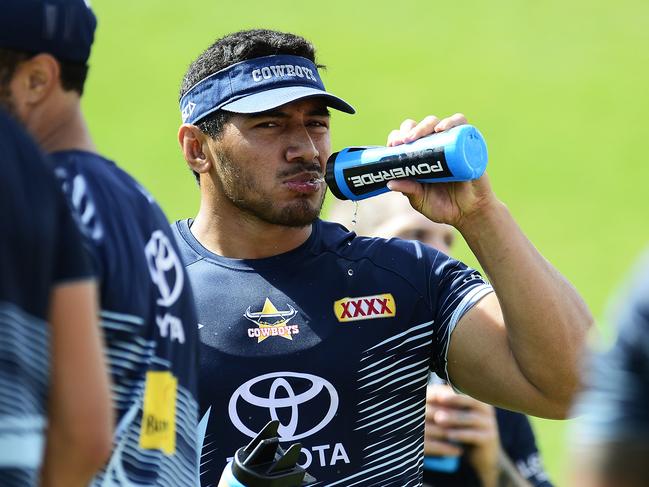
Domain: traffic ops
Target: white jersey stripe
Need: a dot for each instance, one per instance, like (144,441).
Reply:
(396,337)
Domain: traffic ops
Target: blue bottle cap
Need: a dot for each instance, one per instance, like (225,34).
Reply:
(466,151)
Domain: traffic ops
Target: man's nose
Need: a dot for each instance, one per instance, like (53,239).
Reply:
(301,146)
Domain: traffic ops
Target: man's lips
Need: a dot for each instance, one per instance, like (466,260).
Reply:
(305,183)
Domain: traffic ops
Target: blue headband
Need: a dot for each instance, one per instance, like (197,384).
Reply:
(255,86)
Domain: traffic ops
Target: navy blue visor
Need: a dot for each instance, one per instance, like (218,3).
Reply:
(255,86)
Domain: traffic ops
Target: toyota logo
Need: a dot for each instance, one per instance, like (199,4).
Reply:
(165,268)
(302,403)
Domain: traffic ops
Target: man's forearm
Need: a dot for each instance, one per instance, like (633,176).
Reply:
(546,319)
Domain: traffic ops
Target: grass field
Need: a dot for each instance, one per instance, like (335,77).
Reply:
(559,89)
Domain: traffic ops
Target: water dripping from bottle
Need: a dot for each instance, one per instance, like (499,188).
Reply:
(355,216)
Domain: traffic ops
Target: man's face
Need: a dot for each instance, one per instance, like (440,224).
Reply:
(415,226)
(271,165)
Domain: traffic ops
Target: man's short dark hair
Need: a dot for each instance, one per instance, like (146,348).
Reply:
(232,49)
(73,75)
(9,61)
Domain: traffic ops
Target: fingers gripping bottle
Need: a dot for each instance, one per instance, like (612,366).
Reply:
(263,463)
(446,464)
(457,154)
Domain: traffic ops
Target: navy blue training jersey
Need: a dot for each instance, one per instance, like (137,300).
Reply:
(148,319)
(615,404)
(40,248)
(335,339)
(517,441)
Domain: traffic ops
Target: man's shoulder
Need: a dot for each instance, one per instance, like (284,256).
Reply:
(99,176)
(393,260)
(392,253)
(96,186)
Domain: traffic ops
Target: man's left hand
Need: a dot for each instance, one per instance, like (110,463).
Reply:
(451,203)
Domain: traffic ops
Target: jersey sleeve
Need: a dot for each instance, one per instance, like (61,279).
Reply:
(518,442)
(71,258)
(83,209)
(453,288)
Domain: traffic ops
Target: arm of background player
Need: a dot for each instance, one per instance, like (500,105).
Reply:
(79,436)
(521,349)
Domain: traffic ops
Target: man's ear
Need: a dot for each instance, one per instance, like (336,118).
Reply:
(35,79)
(193,143)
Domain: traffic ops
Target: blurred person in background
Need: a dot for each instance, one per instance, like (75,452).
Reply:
(497,446)
(147,311)
(332,333)
(54,396)
(610,438)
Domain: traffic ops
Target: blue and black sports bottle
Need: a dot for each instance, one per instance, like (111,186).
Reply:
(458,154)
(263,463)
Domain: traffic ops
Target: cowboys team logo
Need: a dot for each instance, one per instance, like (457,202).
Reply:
(272,322)
(365,308)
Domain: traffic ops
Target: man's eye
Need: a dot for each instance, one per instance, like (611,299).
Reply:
(266,125)
(319,123)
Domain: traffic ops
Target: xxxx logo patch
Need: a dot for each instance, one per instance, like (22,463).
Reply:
(365,308)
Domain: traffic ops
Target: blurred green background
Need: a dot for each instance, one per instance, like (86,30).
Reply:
(559,90)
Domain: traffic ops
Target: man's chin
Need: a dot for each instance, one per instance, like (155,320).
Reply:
(295,213)
(301,212)
(298,217)
(298,213)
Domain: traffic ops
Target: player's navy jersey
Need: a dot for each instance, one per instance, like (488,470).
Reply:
(40,248)
(335,339)
(148,319)
(614,407)
(517,441)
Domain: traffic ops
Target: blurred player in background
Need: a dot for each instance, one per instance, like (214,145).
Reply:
(54,396)
(610,440)
(497,446)
(147,309)
(335,334)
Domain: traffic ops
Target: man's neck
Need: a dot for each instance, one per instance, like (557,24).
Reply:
(62,128)
(237,235)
